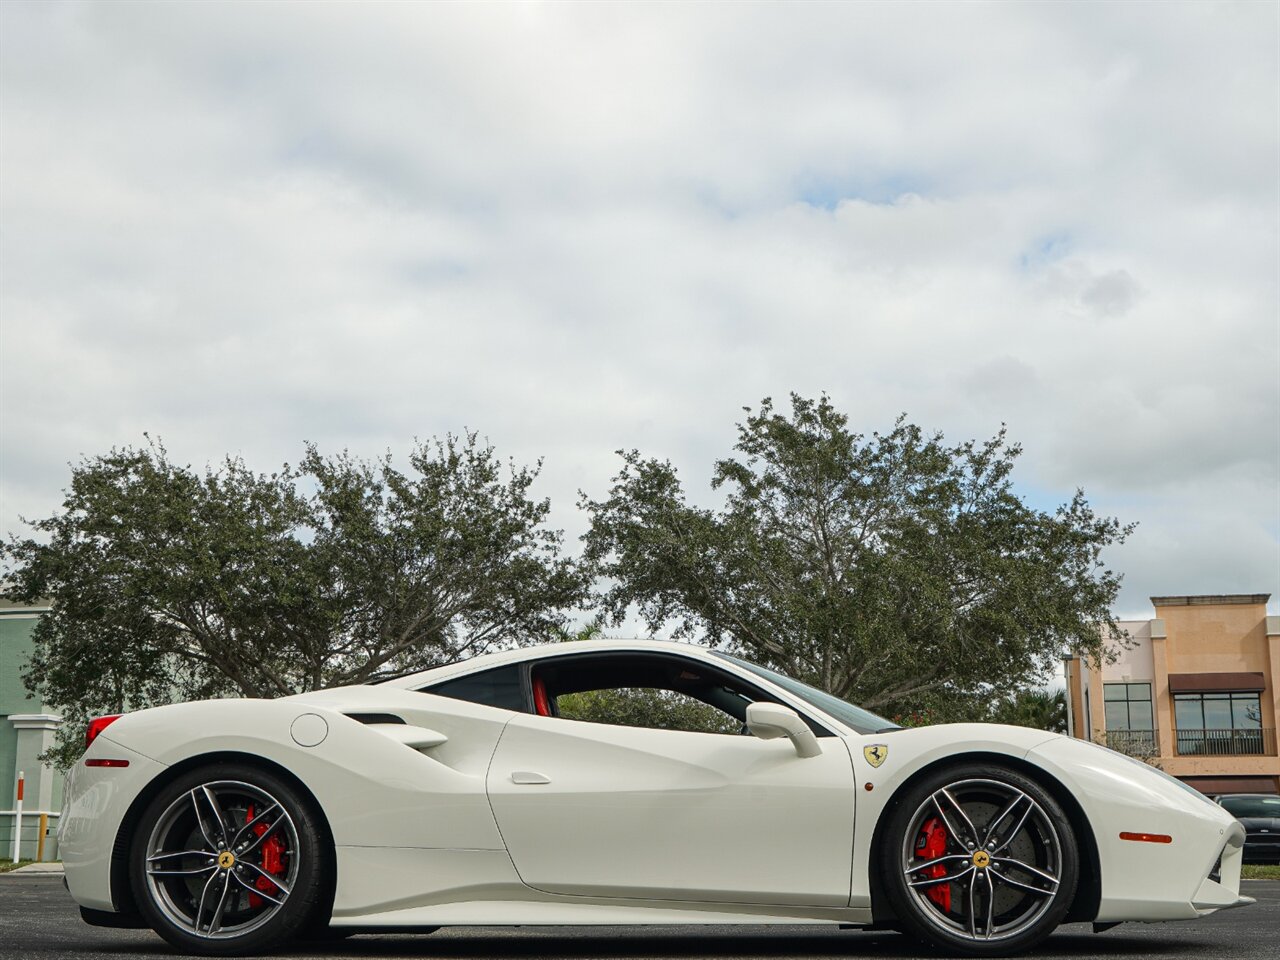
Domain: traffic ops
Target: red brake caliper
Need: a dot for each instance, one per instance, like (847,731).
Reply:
(931,844)
(272,861)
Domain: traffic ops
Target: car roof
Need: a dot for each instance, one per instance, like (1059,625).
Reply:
(569,647)
(541,651)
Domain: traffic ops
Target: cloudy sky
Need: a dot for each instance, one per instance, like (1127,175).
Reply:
(583,227)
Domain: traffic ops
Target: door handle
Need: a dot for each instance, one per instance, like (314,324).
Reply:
(526,776)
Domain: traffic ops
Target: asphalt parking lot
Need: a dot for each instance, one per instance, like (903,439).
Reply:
(38,920)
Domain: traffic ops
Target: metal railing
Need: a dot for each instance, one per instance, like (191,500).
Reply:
(1258,741)
(38,840)
(1136,743)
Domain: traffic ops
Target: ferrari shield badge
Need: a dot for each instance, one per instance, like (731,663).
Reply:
(876,754)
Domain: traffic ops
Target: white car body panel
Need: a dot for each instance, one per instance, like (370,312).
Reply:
(633,825)
(910,751)
(388,887)
(660,814)
(1148,881)
(94,803)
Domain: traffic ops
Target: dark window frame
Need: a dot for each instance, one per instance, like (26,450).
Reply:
(527,667)
(1231,697)
(711,670)
(1129,700)
(522,678)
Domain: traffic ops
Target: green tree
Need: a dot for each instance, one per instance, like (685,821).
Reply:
(894,570)
(1039,709)
(648,708)
(167,583)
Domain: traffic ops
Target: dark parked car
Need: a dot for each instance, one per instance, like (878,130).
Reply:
(1260,814)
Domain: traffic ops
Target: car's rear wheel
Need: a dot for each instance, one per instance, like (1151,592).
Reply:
(229,860)
(979,860)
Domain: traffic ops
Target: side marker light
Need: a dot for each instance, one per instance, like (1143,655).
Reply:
(1147,837)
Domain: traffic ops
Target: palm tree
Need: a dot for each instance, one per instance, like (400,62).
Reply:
(1040,709)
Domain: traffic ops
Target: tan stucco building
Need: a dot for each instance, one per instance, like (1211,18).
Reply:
(1197,691)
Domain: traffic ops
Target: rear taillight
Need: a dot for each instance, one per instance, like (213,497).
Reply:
(96,726)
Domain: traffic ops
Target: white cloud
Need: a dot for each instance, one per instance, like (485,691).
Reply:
(583,227)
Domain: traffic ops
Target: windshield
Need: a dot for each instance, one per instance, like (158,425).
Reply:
(862,721)
(1251,806)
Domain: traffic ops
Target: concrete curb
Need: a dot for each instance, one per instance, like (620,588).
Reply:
(36,870)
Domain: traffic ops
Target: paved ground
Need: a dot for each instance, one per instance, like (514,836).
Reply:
(38,920)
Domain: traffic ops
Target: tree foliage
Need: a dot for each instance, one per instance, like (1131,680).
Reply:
(167,583)
(648,708)
(1038,709)
(891,570)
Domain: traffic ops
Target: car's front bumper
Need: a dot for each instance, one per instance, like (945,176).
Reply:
(1194,873)
(1220,890)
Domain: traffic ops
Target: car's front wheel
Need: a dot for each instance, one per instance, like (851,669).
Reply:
(228,860)
(979,860)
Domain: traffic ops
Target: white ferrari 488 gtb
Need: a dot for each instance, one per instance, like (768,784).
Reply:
(470,794)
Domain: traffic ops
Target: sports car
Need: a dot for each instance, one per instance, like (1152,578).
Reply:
(483,792)
(1259,814)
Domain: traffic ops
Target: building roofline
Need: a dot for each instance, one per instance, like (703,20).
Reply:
(43,605)
(1210,599)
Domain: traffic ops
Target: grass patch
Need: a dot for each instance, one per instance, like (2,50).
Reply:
(7,865)
(1260,871)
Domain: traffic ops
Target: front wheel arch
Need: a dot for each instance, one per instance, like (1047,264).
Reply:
(121,889)
(1089,889)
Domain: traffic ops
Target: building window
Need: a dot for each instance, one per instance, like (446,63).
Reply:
(1219,724)
(1129,718)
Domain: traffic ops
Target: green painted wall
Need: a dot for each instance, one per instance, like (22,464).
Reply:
(8,754)
(15,647)
(16,626)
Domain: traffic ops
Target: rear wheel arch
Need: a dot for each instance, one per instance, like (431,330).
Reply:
(1089,890)
(121,889)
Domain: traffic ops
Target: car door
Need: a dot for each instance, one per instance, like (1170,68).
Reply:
(591,809)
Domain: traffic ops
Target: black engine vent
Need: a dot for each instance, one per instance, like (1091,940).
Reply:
(375,718)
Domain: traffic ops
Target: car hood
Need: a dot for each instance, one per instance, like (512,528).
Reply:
(1261,823)
(1114,774)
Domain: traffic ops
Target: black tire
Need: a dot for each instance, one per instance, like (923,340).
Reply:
(1010,861)
(244,914)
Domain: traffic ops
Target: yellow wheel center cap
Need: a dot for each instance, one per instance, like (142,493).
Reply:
(981,859)
(226,859)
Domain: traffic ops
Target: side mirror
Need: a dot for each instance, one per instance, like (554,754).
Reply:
(769,721)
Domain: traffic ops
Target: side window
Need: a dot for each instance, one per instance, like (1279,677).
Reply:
(654,691)
(498,687)
(646,707)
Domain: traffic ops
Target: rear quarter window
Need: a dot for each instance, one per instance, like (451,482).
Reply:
(500,687)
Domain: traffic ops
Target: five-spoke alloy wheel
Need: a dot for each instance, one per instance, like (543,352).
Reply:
(979,860)
(228,860)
